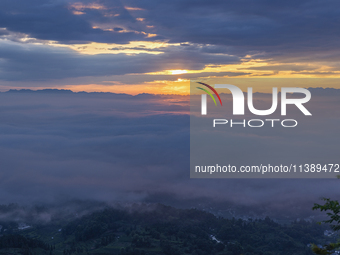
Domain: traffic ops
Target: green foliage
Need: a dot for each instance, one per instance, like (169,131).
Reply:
(19,241)
(332,207)
(325,250)
(166,230)
(24,245)
(163,230)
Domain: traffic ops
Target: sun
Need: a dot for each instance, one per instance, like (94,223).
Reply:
(177,71)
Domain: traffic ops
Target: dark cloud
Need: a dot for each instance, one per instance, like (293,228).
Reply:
(38,62)
(54,20)
(285,26)
(262,26)
(209,33)
(291,67)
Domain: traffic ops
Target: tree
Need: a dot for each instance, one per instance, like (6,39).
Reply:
(332,207)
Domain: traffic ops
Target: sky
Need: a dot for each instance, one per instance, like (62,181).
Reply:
(133,144)
(156,47)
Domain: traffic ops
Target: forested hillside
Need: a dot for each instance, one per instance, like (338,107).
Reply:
(160,229)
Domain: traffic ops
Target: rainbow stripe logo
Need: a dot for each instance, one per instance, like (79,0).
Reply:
(207,91)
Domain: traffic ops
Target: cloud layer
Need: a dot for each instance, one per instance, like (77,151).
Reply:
(300,37)
(109,147)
